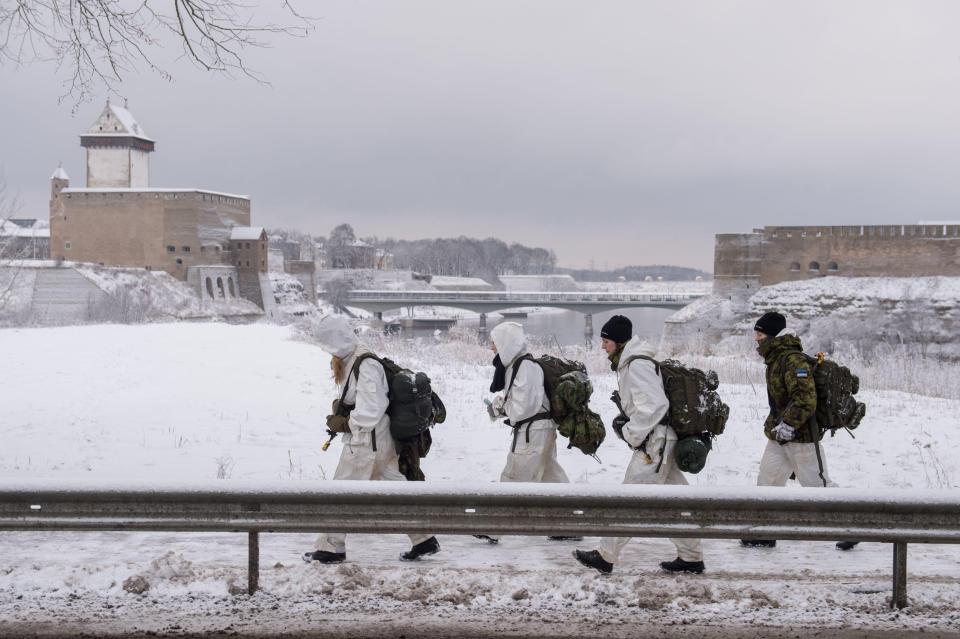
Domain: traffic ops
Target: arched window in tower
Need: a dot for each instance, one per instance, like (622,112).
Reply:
(233,292)
(220,286)
(814,267)
(795,266)
(210,287)
(833,267)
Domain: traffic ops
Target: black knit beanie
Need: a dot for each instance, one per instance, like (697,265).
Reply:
(617,329)
(771,324)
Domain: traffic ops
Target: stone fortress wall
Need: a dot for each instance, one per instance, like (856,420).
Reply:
(745,261)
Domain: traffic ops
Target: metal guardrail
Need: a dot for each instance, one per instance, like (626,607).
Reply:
(897,517)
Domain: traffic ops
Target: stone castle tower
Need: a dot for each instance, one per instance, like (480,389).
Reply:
(118,151)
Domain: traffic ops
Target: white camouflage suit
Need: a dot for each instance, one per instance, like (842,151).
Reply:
(645,403)
(369,452)
(533,454)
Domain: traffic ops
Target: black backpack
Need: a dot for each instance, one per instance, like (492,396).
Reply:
(568,390)
(414,407)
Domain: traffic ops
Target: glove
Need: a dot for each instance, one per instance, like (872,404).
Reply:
(618,423)
(338,423)
(340,409)
(497,405)
(784,432)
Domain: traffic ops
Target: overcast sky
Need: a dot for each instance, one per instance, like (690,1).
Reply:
(618,132)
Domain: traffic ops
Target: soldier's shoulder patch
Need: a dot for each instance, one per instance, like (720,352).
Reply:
(802,372)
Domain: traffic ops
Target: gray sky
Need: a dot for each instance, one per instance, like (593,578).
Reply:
(620,132)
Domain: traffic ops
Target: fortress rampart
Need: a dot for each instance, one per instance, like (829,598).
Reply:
(745,261)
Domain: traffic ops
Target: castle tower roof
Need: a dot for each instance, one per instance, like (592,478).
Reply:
(60,174)
(116,120)
(116,128)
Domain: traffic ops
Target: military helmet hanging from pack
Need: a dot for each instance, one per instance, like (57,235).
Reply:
(691,453)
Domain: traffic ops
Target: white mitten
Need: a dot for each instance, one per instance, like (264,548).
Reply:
(785,432)
(498,402)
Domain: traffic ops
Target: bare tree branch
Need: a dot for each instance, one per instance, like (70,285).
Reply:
(100,41)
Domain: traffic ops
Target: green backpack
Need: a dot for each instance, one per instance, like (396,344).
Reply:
(414,407)
(568,389)
(696,412)
(836,385)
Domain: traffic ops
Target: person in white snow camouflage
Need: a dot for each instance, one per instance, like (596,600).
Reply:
(369,451)
(524,402)
(645,405)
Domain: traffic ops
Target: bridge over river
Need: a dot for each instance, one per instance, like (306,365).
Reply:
(483,302)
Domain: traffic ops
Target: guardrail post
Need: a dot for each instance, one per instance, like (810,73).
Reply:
(253,562)
(899,598)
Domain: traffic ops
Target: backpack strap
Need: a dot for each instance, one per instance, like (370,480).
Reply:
(656,366)
(355,372)
(529,420)
(632,358)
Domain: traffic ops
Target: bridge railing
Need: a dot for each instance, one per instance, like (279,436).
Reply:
(895,517)
(525,297)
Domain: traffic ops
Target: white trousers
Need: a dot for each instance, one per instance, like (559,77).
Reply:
(640,472)
(536,460)
(361,462)
(780,460)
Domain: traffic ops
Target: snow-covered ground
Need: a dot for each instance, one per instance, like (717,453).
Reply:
(216,403)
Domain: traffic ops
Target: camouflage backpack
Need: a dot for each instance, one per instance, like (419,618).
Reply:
(696,412)
(695,405)
(836,385)
(414,407)
(568,389)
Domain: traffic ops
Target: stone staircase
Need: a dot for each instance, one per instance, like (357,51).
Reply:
(63,296)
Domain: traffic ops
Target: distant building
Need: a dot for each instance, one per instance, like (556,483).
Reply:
(24,239)
(744,262)
(118,219)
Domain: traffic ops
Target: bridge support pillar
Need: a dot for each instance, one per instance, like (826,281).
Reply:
(588,329)
(378,315)
(482,330)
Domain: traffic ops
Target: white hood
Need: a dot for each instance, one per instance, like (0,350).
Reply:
(510,341)
(636,346)
(336,336)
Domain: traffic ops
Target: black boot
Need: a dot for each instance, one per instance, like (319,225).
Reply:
(565,538)
(592,559)
(488,539)
(759,543)
(847,545)
(679,565)
(428,547)
(325,557)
